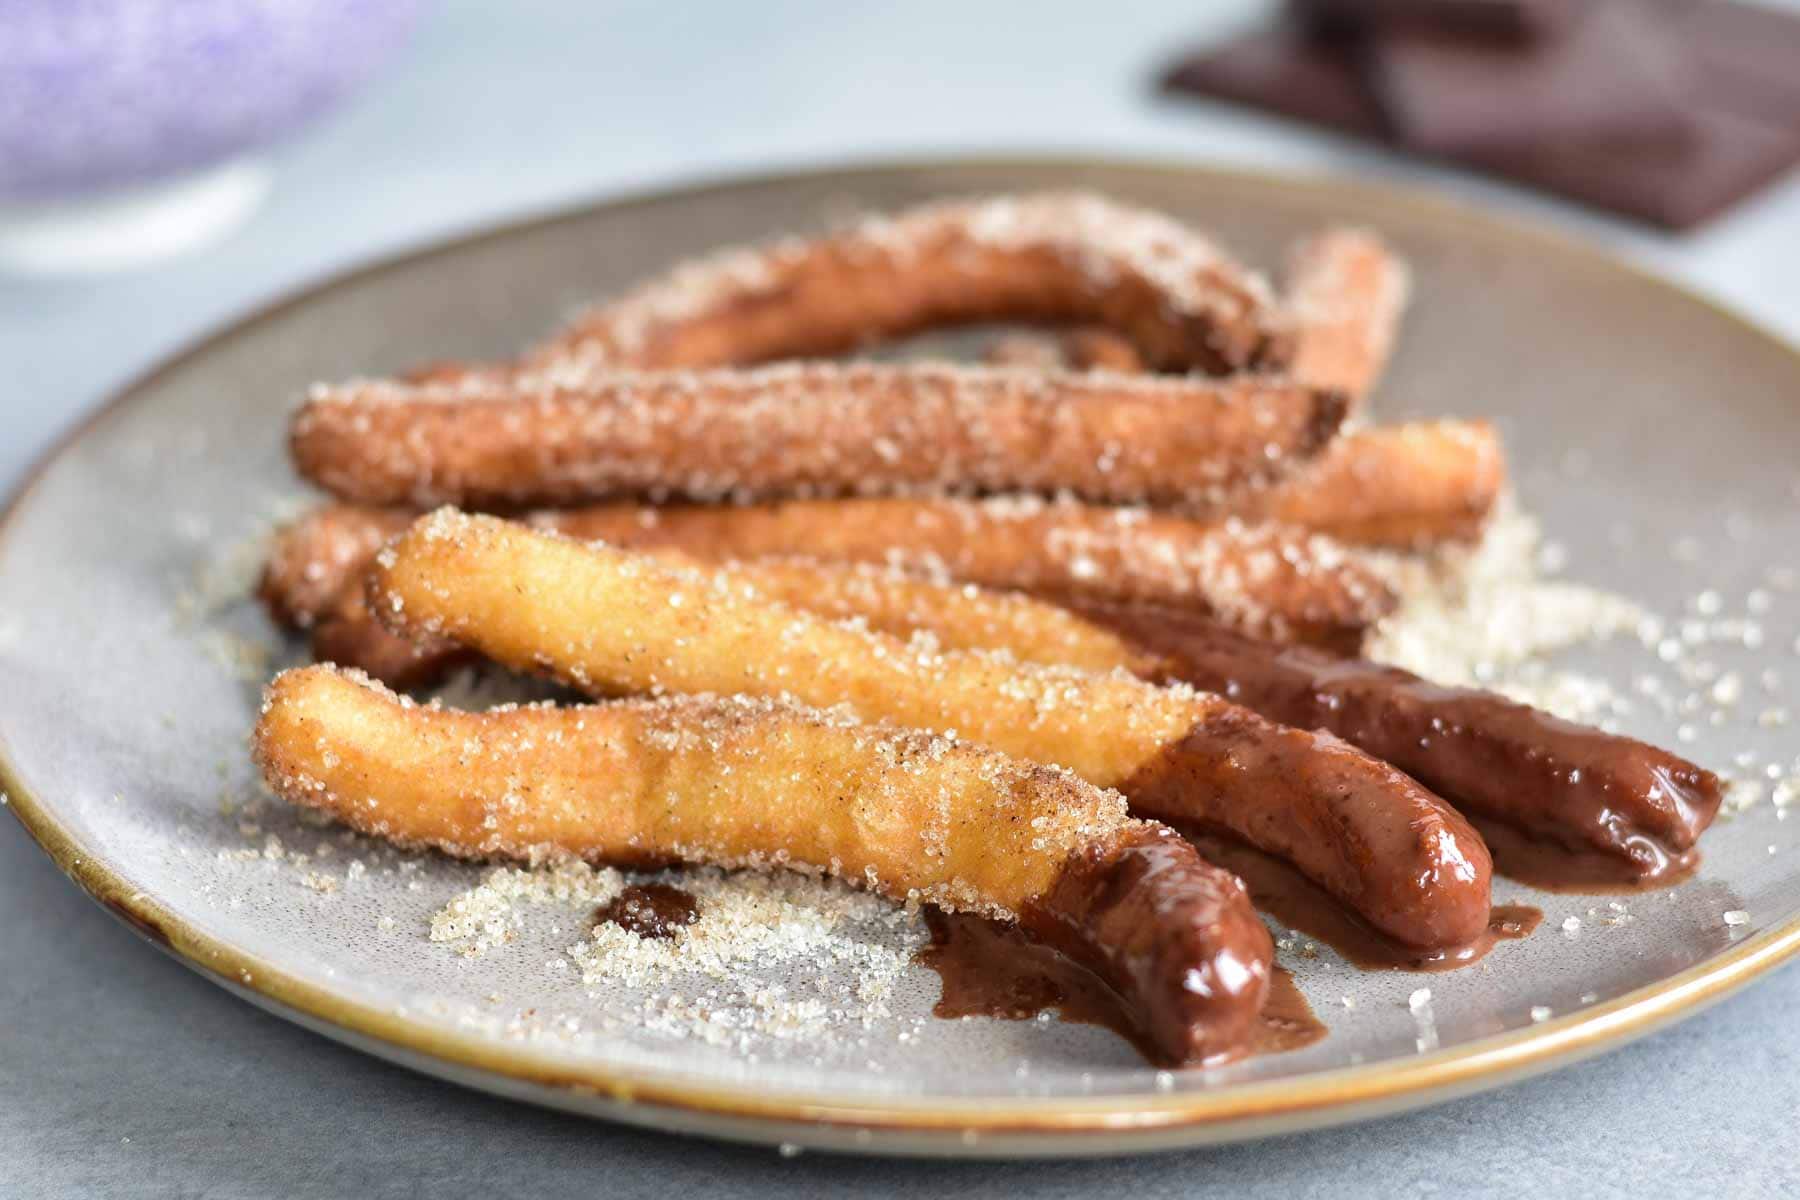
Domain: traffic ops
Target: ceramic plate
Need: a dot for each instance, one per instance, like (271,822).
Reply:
(1655,435)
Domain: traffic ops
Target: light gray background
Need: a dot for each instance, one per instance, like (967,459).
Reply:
(123,1074)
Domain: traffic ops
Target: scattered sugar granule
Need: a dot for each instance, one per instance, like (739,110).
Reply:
(750,923)
(751,927)
(1540,1013)
(486,915)
(1480,616)
(1424,1021)
(1736,917)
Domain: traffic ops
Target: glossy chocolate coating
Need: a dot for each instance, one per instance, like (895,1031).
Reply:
(1570,784)
(1406,862)
(1172,935)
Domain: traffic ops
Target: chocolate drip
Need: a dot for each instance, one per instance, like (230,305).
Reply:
(1287,1021)
(1555,868)
(1171,936)
(1586,791)
(651,910)
(993,969)
(1406,862)
(1283,893)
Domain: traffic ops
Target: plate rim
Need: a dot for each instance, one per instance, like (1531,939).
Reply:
(902,1124)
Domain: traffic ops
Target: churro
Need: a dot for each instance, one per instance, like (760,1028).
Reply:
(312,559)
(578,435)
(961,616)
(609,622)
(757,783)
(1279,581)
(1045,258)
(1404,487)
(347,633)
(1343,294)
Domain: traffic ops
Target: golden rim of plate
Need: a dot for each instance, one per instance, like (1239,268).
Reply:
(1123,1123)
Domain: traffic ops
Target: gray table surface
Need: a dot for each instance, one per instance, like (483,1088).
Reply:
(124,1074)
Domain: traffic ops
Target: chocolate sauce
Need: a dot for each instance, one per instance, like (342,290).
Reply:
(651,910)
(1283,893)
(1169,934)
(1287,1021)
(1594,793)
(1556,868)
(994,969)
(1363,830)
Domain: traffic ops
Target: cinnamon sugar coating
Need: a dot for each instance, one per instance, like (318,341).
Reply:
(1068,257)
(1280,581)
(1343,295)
(1272,580)
(311,559)
(1405,487)
(729,781)
(573,435)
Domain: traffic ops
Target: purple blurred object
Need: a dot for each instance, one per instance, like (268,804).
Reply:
(103,94)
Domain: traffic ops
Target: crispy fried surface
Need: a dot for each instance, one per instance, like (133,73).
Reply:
(608,621)
(1344,293)
(730,781)
(1271,580)
(1401,486)
(313,558)
(579,435)
(1052,257)
(348,634)
(960,616)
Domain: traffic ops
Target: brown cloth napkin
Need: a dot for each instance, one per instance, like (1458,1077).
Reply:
(1494,18)
(1670,111)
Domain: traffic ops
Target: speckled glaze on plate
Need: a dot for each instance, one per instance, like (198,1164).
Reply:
(1654,434)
